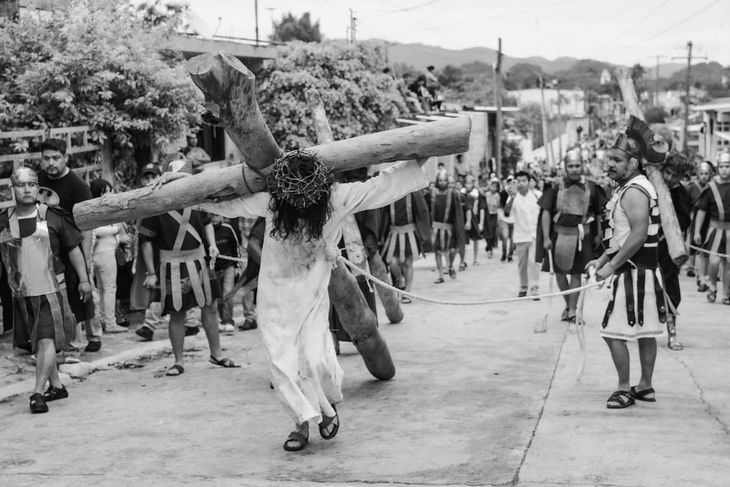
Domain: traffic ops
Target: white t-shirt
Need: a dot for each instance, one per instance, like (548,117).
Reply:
(525,211)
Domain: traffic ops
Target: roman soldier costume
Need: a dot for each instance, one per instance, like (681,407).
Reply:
(447,220)
(39,289)
(407,221)
(637,307)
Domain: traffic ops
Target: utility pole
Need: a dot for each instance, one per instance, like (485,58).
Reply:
(545,132)
(556,83)
(353,27)
(498,97)
(656,80)
(685,132)
(256,15)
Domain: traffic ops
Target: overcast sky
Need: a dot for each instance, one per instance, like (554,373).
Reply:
(618,31)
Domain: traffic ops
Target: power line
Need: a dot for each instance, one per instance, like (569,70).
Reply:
(415,7)
(666,29)
(630,28)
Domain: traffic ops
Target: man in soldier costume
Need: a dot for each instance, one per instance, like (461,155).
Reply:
(183,275)
(408,223)
(569,207)
(34,239)
(698,260)
(447,224)
(715,204)
(637,307)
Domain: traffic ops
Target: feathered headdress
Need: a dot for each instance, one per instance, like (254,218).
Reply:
(639,141)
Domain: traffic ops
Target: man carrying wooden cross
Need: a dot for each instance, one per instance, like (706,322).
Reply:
(304,214)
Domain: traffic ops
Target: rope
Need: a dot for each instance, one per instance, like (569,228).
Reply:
(375,280)
(700,249)
(356,270)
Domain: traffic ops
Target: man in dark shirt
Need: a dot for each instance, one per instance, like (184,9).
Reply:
(59,186)
(714,203)
(183,275)
(569,207)
(675,168)
(227,241)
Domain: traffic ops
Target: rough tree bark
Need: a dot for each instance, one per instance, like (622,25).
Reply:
(423,140)
(355,316)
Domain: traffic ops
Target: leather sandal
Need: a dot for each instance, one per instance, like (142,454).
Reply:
(223,362)
(620,400)
(295,442)
(327,422)
(175,370)
(643,395)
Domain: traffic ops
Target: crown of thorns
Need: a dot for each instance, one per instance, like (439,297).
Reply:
(299,190)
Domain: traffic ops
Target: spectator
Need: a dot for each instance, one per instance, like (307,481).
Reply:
(105,243)
(227,241)
(522,204)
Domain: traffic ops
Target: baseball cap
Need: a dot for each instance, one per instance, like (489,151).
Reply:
(150,168)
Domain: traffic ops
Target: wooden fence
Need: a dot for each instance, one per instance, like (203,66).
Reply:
(77,142)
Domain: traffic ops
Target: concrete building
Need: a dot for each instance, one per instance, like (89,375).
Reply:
(714,134)
(572,102)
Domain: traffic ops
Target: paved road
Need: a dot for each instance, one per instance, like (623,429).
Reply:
(478,399)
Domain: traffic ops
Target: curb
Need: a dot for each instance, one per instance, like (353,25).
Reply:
(84,369)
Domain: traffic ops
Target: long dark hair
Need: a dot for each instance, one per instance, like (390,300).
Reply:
(300,190)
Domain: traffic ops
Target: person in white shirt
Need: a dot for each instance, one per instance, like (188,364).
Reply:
(522,206)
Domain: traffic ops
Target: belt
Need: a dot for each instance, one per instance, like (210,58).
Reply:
(563,230)
(174,256)
(443,226)
(400,229)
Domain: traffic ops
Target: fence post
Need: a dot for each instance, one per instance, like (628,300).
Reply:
(107,165)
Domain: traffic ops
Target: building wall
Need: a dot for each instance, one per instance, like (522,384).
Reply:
(572,104)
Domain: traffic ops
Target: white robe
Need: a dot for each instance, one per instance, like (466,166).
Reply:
(293,302)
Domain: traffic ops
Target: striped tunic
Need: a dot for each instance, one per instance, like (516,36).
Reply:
(637,306)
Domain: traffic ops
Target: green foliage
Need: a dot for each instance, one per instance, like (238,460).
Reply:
(95,63)
(585,74)
(357,96)
(522,76)
(528,121)
(291,28)
(511,155)
(655,115)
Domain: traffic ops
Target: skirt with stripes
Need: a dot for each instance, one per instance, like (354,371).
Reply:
(717,237)
(442,236)
(401,243)
(637,307)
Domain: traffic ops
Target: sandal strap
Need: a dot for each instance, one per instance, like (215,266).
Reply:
(621,397)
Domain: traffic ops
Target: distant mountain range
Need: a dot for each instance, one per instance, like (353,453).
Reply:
(421,55)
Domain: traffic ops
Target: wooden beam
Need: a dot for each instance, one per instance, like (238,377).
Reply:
(230,97)
(670,224)
(426,140)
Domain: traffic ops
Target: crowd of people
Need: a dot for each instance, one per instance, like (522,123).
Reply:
(186,265)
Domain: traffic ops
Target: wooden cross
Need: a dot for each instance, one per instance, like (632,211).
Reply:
(670,223)
(229,89)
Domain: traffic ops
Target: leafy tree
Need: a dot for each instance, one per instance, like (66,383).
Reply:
(655,114)
(450,75)
(357,96)
(291,28)
(511,155)
(522,76)
(95,63)
(528,121)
